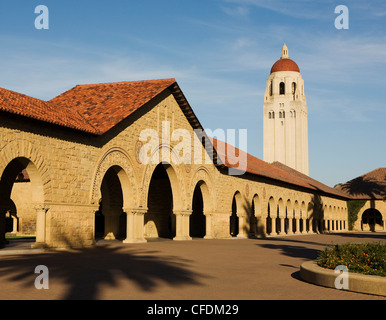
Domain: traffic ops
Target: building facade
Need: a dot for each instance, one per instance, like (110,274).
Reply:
(72,172)
(367,202)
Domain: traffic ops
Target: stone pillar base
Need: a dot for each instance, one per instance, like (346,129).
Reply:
(182,238)
(39,245)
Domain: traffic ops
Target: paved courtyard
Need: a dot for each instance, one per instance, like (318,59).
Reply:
(246,269)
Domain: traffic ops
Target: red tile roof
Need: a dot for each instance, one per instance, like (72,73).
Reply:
(371,185)
(229,156)
(96,108)
(20,104)
(285,64)
(105,105)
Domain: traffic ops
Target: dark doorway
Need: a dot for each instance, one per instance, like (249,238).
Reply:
(197,218)
(159,219)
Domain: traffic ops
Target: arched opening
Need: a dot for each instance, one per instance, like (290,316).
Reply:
(256,226)
(271,217)
(110,219)
(197,218)
(21,189)
(372,220)
(11,219)
(282,88)
(234,219)
(159,220)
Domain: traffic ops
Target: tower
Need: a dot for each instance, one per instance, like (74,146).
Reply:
(285,116)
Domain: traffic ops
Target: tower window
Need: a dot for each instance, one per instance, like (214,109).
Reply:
(270,89)
(282,88)
(293,87)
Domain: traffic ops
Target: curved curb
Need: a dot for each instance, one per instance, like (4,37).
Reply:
(311,272)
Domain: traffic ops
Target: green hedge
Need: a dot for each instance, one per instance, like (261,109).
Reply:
(366,258)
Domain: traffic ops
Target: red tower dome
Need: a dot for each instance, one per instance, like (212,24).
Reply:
(284,63)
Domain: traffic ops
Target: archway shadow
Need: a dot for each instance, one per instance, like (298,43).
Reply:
(293,251)
(86,270)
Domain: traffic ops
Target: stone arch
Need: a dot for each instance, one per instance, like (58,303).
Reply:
(296,215)
(118,159)
(176,176)
(203,204)
(234,218)
(40,170)
(204,178)
(256,222)
(288,227)
(280,216)
(271,216)
(37,200)
(372,220)
(303,217)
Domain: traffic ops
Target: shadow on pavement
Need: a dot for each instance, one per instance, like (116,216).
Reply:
(300,248)
(84,270)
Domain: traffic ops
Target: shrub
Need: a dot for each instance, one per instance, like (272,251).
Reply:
(366,258)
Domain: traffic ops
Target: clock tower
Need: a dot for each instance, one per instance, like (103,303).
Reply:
(285,116)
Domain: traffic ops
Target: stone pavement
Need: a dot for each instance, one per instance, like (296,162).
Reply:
(231,269)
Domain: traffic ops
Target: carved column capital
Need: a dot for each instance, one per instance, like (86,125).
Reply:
(185,212)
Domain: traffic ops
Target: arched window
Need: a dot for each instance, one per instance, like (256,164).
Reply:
(293,87)
(283,114)
(273,115)
(280,114)
(294,114)
(282,88)
(270,89)
(269,115)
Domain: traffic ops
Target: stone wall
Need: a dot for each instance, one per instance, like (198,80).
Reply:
(67,167)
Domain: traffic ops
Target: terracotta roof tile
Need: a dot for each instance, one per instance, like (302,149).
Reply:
(20,104)
(276,171)
(371,185)
(105,105)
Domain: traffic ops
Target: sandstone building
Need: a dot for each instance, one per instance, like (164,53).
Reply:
(367,195)
(285,115)
(71,172)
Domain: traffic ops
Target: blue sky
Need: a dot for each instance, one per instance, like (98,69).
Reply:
(220,52)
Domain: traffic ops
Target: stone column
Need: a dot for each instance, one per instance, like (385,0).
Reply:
(297,221)
(3,212)
(282,226)
(182,225)
(41,212)
(273,227)
(208,225)
(135,225)
(310,225)
(261,226)
(14,224)
(290,224)
(243,225)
